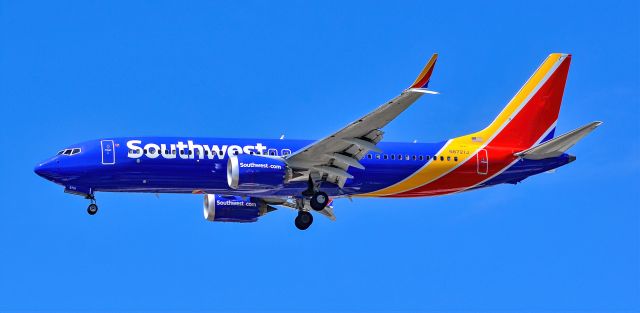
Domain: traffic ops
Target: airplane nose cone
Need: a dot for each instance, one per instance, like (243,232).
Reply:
(46,169)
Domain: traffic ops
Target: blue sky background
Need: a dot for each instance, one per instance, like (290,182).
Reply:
(72,71)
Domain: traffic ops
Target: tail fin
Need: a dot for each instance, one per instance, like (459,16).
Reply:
(530,117)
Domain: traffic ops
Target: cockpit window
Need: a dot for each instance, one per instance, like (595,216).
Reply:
(70,151)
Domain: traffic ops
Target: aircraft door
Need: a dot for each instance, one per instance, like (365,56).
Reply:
(482,159)
(108,152)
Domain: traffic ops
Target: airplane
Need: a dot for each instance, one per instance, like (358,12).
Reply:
(244,179)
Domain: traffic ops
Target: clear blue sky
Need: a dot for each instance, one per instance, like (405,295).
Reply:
(72,71)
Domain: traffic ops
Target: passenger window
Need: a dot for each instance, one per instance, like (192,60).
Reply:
(378,156)
(421,158)
(368,156)
(435,158)
(448,158)
(393,157)
(286,152)
(406,157)
(414,157)
(428,157)
(455,159)
(384,157)
(399,156)
(441,158)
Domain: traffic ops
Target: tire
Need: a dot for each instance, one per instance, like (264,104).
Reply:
(319,201)
(92,209)
(303,220)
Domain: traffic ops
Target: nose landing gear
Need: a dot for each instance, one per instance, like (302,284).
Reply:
(92,209)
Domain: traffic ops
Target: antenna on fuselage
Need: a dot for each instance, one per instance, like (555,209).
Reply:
(281,136)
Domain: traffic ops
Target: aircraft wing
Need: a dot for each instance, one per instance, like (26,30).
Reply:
(329,158)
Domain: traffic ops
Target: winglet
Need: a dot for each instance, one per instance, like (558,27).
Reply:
(423,79)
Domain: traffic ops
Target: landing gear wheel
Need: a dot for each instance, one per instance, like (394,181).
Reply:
(92,209)
(319,201)
(304,220)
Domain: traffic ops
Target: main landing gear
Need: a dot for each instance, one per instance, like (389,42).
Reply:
(92,209)
(318,200)
(303,220)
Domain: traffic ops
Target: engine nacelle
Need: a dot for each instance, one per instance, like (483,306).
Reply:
(219,208)
(256,172)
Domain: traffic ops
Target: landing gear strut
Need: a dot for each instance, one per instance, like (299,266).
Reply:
(93,207)
(304,220)
(317,199)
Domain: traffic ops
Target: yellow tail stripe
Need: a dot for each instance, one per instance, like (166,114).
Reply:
(518,99)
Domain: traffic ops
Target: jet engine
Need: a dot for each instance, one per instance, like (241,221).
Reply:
(256,172)
(218,208)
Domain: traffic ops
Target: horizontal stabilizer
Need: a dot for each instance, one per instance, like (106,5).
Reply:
(557,146)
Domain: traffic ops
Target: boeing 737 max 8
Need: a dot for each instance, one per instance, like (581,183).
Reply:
(243,179)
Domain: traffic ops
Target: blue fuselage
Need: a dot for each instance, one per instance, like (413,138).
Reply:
(194,165)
